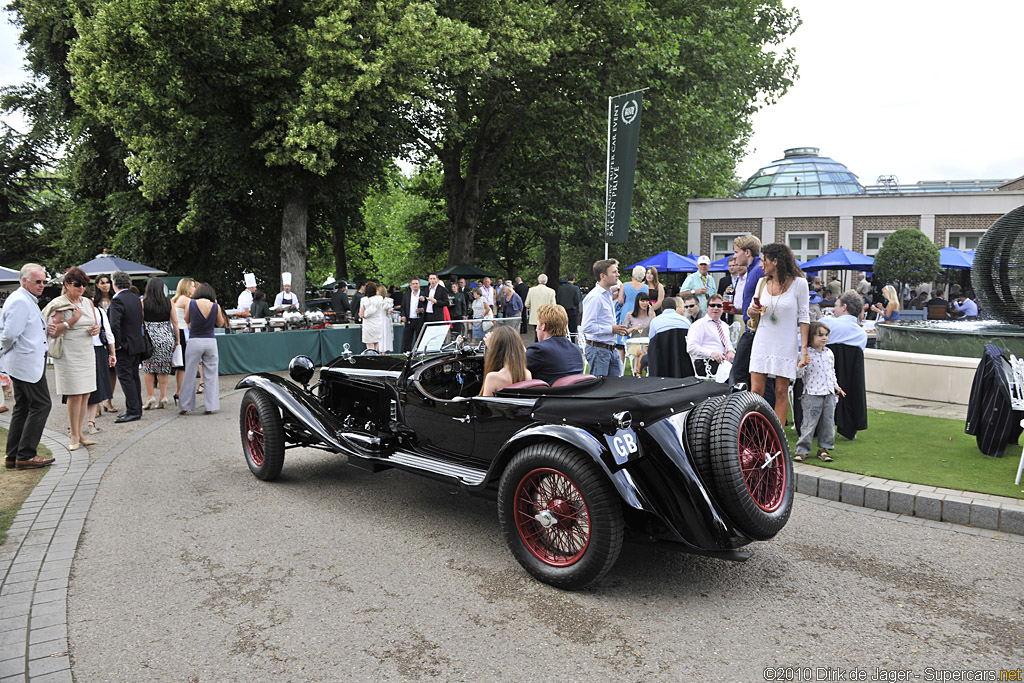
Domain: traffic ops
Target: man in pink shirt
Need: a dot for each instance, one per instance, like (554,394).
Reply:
(708,338)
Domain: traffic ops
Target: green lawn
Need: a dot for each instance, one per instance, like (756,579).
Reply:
(923,450)
(15,487)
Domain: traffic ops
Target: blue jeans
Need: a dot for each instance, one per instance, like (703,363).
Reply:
(603,362)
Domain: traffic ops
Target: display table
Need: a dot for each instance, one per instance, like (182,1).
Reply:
(243,353)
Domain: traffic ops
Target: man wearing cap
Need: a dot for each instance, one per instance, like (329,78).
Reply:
(245,298)
(286,298)
(23,346)
(700,284)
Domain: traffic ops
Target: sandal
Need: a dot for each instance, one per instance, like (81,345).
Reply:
(824,456)
(201,387)
(91,428)
(798,458)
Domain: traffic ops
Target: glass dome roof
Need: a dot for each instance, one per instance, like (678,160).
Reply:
(802,172)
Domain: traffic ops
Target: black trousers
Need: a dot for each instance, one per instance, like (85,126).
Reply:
(574,319)
(28,418)
(127,369)
(741,367)
(411,331)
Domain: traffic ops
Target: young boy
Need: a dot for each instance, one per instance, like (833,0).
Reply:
(819,398)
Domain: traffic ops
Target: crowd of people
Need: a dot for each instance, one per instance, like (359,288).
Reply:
(795,330)
(99,336)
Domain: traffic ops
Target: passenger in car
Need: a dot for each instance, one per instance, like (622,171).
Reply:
(554,355)
(505,362)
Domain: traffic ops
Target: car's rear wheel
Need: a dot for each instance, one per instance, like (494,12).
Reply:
(752,469)
(698,433)
(561,516)
(262,435)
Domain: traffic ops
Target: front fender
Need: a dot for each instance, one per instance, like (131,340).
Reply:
(296,402)
(577,438)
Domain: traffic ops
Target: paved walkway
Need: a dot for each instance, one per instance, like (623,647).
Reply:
(36,558)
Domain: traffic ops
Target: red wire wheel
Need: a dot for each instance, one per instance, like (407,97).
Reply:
(262,434)
(253,438)
(751,467)
(552,517)
(760,453)
(560,515)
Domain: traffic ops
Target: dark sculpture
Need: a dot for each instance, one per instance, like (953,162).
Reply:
(998,272)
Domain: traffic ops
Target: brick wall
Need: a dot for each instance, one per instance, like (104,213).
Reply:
(826,224)
(956,222)
(731,226)
(862,224)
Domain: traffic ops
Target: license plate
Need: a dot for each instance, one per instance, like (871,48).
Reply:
(623,445)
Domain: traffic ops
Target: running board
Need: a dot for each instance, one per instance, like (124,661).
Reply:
(467,475)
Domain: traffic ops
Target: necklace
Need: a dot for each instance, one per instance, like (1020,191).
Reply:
(773,303)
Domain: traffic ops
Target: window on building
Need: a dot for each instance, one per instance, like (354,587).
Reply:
(965,240)
(807,245)
(873,241)
(721,245)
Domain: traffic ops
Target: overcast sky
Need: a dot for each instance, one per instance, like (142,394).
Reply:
(921,89)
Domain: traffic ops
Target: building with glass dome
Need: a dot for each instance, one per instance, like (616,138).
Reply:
(802,172)
(816,204)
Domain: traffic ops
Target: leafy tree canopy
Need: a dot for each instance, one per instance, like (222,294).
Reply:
(907,256)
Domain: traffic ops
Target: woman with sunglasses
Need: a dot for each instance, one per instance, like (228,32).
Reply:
(75,319)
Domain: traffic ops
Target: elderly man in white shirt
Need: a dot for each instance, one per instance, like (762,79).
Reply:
(708,338)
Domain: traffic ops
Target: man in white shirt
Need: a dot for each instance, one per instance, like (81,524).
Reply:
(599,324)
(23,345)
(286,298)
(538,296)
(487,294)
(708,338)
(245,298)
(844,326)
(739,285)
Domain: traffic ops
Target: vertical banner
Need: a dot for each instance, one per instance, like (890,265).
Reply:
(623,140)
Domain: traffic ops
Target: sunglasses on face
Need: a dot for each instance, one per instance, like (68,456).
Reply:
(689,306)
(714,305)
(77,284)
(36,282)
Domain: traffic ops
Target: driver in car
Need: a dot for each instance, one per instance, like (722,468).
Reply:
(554,355)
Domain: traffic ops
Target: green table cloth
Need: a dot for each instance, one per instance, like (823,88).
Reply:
(243,353)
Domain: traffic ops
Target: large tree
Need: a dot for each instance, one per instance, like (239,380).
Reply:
(280,98)
(552,65)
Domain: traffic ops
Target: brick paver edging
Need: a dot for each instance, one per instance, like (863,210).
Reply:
(980,510)
(35,560)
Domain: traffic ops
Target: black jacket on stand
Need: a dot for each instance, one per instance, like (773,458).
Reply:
(990,416)
(852,409)
(667,356)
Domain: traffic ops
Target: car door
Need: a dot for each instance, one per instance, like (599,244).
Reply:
(441,427)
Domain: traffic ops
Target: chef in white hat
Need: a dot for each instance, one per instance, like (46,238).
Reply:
(245,298)
(286,298)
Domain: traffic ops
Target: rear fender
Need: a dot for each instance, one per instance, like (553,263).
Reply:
(577,438)
(297,403)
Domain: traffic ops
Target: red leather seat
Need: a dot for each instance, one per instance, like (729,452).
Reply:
(572,379)
(529,384)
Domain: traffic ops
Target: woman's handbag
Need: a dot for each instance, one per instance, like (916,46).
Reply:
(57,346)
(148,352)
(755,318)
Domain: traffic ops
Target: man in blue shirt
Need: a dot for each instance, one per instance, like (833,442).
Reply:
(747,251)
(599,324)
(669,319)
(553,356)
(844,325)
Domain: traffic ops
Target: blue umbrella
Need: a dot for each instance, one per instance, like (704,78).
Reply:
(951,257)
(105,263)
(668,262)
(840,259)
(721,265)
(8,276)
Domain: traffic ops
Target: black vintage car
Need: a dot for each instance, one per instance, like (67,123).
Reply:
(577,468)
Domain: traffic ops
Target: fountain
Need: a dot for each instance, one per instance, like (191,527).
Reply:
(999,286)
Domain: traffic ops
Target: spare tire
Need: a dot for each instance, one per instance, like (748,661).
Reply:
(752,470)
(698,434)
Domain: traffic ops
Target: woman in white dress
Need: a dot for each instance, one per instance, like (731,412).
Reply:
(76,322)
(780,343)
(369,310)
(387,336)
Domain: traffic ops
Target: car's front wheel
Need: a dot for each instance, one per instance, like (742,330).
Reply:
(262,435)
(561,516)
